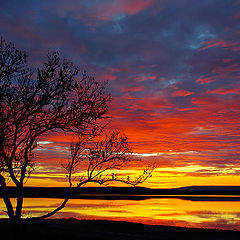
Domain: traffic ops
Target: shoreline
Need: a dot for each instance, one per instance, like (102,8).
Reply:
(104,229)
(139,193)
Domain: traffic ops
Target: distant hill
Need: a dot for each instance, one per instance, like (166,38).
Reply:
(210,188)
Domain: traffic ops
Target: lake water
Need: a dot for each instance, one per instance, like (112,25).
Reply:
(208,213)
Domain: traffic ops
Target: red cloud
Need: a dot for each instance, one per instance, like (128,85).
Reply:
(225,71)
(106,11)
(203,100)
(203,80)
(182,92)
(134,89)
(106,74)
(226,44)
(144,78)
(225,91)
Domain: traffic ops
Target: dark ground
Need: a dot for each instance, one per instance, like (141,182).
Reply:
(58,229)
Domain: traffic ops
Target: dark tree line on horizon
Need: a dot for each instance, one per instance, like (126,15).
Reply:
(56,97)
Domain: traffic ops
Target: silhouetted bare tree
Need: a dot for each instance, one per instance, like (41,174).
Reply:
(101,160)
(51,98)
(34,103)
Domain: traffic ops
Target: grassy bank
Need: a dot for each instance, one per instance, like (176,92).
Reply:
(59,229)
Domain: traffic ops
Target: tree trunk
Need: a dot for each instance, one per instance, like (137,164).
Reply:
(6,199)
(19,206)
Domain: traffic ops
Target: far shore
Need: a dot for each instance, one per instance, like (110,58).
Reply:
(194,193)
(60,229)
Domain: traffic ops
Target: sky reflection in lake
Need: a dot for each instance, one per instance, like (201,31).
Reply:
(166,211)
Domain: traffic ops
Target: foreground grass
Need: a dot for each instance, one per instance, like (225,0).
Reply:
(59,229)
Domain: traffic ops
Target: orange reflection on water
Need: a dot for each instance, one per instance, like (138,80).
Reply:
(167,211)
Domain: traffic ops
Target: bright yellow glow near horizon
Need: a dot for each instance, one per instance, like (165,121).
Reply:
(161,178)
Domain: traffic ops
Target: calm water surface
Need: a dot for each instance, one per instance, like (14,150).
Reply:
(167,211)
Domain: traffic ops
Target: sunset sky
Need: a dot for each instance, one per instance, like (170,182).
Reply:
(173,68)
